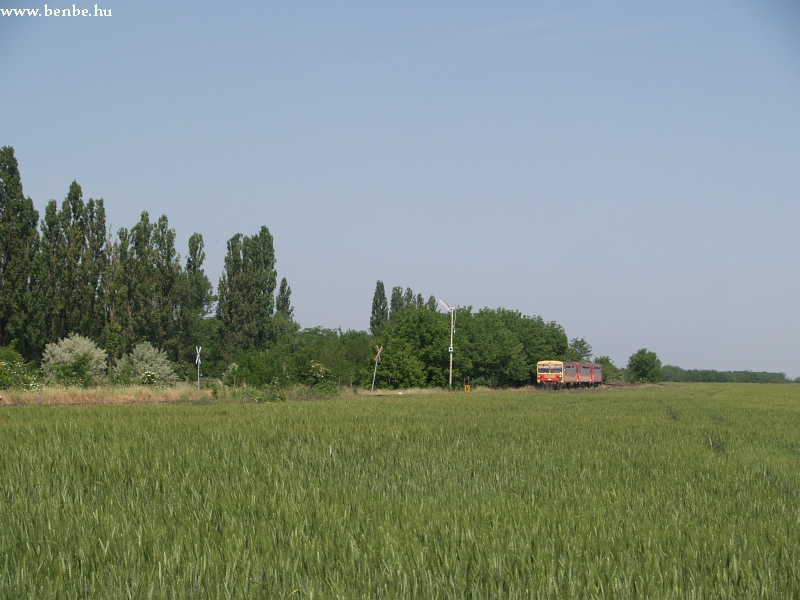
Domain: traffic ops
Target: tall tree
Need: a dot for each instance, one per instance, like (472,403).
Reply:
(283,303)
(118,331)
(94,268)
(18,247)
(50,294)
(380,309)
(195,298)
(396,303)
(246,293)
(72,267)
(167,270)
(141,283)
(284,329)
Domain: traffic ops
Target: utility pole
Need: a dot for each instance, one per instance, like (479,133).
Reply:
(452,310)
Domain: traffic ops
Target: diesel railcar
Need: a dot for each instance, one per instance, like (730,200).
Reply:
(566,373)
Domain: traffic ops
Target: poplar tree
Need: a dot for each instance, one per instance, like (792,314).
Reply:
(141,283)
(397,302)
(284,329)
(380,309)
(283,304)
(195,299)
(199,296)
(71,268)
(50,295)
(246,293)
(18,247)
(118,332)
(167,269)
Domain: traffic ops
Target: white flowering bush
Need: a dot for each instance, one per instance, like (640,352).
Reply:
(319,376)
(74,361)
(145,365)
(14,373)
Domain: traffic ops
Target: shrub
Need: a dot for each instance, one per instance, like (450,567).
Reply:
(74,360)
(273,392)
(145,365)
(14,373)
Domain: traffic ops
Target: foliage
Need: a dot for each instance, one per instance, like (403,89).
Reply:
(195,299)
(272,392)
(283,304)
(415,343)
(380,309)
(677,374)
(145,365)
(645,367)
(500,348)
(495,348)
(669,492)
(74,276)
(18,249)
(71,265)
(74,361)
(246,287)
(14,372)
(579,350)
(346,354)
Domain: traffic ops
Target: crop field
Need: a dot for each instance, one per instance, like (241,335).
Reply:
(651,492)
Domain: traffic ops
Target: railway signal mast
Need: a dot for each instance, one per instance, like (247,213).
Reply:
(452,311)
(197,362)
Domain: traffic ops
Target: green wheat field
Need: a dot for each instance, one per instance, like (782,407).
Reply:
(653,492)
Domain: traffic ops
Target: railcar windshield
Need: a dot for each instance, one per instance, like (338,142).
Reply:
(549,368)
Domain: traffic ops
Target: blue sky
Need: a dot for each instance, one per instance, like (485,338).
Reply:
(630,170)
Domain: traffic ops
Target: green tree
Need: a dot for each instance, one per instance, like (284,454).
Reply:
(415,350)
(645,367)
(579,350)
(500,347)
(396,302)
(141,282)
(19,242)
(50,295)
(283,304)
(246,293)
(380,309)
(117,334)
(195,299)
(70,269)
(168,290)
(491,344)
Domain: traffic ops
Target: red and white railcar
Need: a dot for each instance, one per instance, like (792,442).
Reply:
(564,373)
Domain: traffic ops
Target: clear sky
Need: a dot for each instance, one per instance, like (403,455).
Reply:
(630,170)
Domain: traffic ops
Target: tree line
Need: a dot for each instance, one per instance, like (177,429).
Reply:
(66,274)
(677,374)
